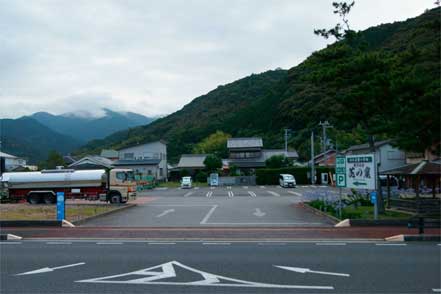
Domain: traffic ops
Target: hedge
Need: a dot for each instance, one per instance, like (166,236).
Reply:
(270,176)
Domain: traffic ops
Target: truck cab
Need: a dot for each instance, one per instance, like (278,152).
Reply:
(122,186)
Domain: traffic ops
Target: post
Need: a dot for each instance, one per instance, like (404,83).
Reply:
(286,142)
(339,202)
(388,191)
(312,159)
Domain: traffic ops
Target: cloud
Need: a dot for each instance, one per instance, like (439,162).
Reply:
(153,57)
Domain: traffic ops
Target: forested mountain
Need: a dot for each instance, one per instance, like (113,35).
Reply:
(382,82)
(25,137)
(84,127)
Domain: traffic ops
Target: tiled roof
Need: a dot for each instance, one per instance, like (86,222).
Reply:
(109,153)
(366,146)
(192,161)
(94,160)
(153,161)
(253,142)
(425,167)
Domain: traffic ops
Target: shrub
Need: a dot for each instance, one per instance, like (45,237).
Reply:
(201,177)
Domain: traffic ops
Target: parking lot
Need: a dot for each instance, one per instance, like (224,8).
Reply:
(236,206)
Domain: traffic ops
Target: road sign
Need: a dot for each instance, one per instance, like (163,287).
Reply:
(340,171)
(60,206)
(373,197)
(360,171)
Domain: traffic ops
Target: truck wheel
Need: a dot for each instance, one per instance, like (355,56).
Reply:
(34,199)
(115,199)
(49,199)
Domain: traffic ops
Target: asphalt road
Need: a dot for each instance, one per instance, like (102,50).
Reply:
(225,267)
(237,206)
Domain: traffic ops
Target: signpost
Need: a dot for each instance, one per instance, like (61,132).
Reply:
(374,202)
(60,206)
(340,177)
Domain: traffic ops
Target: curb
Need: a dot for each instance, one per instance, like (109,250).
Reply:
(82,221)
(10,237)
(30,223)
(405,238)
(334,220)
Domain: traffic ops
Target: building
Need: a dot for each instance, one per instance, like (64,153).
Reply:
(191,163)
(387,156)
(248,153)
(149,159)
(325,158)
(12,162)
(92,162)
(110,154)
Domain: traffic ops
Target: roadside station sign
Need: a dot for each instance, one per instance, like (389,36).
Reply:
(340,171)
(361,171)
(60,206)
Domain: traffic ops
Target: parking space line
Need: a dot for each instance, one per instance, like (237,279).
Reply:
(188,194)
(274,193)
(295,193)
(230,194)
(109,243)
(229,187)
(330,244)
(196,188)
(245,187)
(209,193)
(212,188)
(252,194)
(271,243)
(207,216)
(59,243)
(390,244)
(161,243)
(262,187)
(216,243)
(436,290)
(11,243)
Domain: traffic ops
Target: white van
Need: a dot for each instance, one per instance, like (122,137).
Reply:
(186,182)
(287,180)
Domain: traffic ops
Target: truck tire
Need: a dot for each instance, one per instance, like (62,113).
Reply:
(49,198)
(115,198)
(34,198)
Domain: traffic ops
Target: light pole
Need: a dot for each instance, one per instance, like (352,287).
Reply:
(287,131)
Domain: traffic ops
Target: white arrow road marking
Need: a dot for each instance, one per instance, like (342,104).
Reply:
(295,193)
(259,213)
(188,194)
(49,269)
(274,193)
(154,275)
(252,194)
(165,212)
(307,270)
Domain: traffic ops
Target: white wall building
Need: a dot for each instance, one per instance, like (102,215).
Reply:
(12,162)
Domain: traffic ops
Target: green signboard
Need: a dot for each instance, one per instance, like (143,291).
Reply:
(340,171)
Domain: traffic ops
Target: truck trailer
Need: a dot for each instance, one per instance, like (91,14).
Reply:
(114,186)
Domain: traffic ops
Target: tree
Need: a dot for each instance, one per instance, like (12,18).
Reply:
(340,31)
(277,161)
(216,144)
(54,159)
(212,162)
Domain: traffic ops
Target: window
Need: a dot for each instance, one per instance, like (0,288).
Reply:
(121,176)
(128,155)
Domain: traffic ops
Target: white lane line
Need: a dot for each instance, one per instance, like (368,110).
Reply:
(207,216)
(161,243)
(307,270)
(438,244)
(165,212)
(188,194)
(436,290)
(295,193)
(390,244)
(274,193)
(330,244)
(216,243)
(11,243)
(49,269)
(271,244)
(252,194)
(109,243)
(59,243)
(209,193)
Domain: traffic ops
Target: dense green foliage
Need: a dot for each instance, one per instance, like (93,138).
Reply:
(212,162)
(270,176)
(53,160)
(216,144)
(381,82)
(277,161)
(26,137)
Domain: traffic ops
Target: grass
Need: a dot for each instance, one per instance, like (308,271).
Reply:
(48,212)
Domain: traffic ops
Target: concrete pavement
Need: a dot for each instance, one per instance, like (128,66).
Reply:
(219,267)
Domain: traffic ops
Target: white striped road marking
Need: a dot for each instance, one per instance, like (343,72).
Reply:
(262,187)
(216,243)
(188,194)
(230,194)
(11,243)
(209,193)
(252,194)
(59,243)
(161,243)
(295,193)
(109,243)
(207,216)
(391,244)
(245,187)
(274,193)
(330,244)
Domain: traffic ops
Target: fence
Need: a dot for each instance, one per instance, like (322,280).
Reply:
(240,180)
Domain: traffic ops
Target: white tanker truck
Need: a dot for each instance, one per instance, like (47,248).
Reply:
(114,186)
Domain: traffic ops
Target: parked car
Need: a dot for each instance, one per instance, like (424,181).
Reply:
(186,182)
(287,180)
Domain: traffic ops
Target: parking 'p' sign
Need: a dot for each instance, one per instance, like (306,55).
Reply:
(60,206)
(340,171)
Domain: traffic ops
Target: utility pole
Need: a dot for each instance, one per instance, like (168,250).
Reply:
(286,141)
(312,159)
(325,125)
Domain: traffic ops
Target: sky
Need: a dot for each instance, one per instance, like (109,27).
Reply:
(154,56)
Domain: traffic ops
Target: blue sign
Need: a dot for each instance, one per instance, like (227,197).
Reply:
(373,197)
(60,206)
